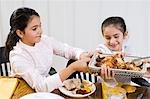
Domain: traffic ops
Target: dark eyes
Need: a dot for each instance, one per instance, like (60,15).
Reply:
(34,29)
(108,38)
(116,36)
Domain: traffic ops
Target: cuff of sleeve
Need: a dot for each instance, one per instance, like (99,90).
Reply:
(78,53)
(54,82)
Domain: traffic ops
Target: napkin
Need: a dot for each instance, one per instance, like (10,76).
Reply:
(7,87)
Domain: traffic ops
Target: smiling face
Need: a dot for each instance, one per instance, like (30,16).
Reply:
(33,31)
(113,38)
(114,32)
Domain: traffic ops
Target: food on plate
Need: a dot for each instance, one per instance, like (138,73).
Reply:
(82,91)
(74,85)
(116,61)
(129,88)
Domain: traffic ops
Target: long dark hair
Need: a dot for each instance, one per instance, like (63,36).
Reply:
(115,21)
(18,20)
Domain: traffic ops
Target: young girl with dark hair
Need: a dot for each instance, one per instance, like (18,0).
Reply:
(30,52)
(115,33)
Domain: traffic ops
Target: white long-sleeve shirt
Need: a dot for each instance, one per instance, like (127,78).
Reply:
(104,49)
(33,63)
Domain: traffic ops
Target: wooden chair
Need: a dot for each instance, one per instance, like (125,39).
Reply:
(86,76)
(4,63)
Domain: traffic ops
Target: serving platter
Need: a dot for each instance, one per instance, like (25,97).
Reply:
(119,72)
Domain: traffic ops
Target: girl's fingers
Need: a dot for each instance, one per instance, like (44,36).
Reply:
(146,61)
(98,51)
(109,73)
(112,74)
(106,73)
(90,53)
(102,72)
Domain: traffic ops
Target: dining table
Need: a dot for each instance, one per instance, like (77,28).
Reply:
(23,89)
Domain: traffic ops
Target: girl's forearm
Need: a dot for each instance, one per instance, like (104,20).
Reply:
(65,73)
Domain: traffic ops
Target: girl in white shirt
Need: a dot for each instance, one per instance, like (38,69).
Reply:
(30,52)
(114,33)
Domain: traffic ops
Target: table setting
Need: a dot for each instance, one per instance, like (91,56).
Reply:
(76,88)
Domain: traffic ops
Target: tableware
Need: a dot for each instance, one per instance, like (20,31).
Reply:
(132,56)
(42,95)
(71,94)
(140,58)
(109,82)
(113,95)
(132,91)
(118,72)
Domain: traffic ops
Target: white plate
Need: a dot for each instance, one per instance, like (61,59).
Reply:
(69,93)
(42,95)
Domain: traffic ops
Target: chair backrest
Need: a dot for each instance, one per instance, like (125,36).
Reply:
(4,63)
(86,76)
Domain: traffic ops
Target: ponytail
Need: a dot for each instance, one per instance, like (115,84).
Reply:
(11,41)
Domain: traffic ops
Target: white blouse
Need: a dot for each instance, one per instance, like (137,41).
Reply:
(104,49)
(33,63)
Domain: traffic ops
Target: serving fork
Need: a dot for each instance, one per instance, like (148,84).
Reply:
(140,58)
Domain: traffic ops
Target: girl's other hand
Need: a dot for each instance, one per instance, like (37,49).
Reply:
(106,73)
(98,51)
(146,61)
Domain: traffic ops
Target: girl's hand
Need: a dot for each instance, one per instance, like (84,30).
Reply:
(106,73)
(146,61)
(98,51)
(80,65)
(86,55)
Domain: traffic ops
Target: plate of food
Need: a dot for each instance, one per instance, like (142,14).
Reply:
(41,95)
(77,88)
(121,65)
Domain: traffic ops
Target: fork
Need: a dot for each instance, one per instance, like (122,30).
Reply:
(140,58)
(82,86)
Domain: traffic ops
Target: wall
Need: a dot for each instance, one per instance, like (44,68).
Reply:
(77,22)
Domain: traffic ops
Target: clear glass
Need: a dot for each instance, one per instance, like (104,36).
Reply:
(110,82)
(119,96)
